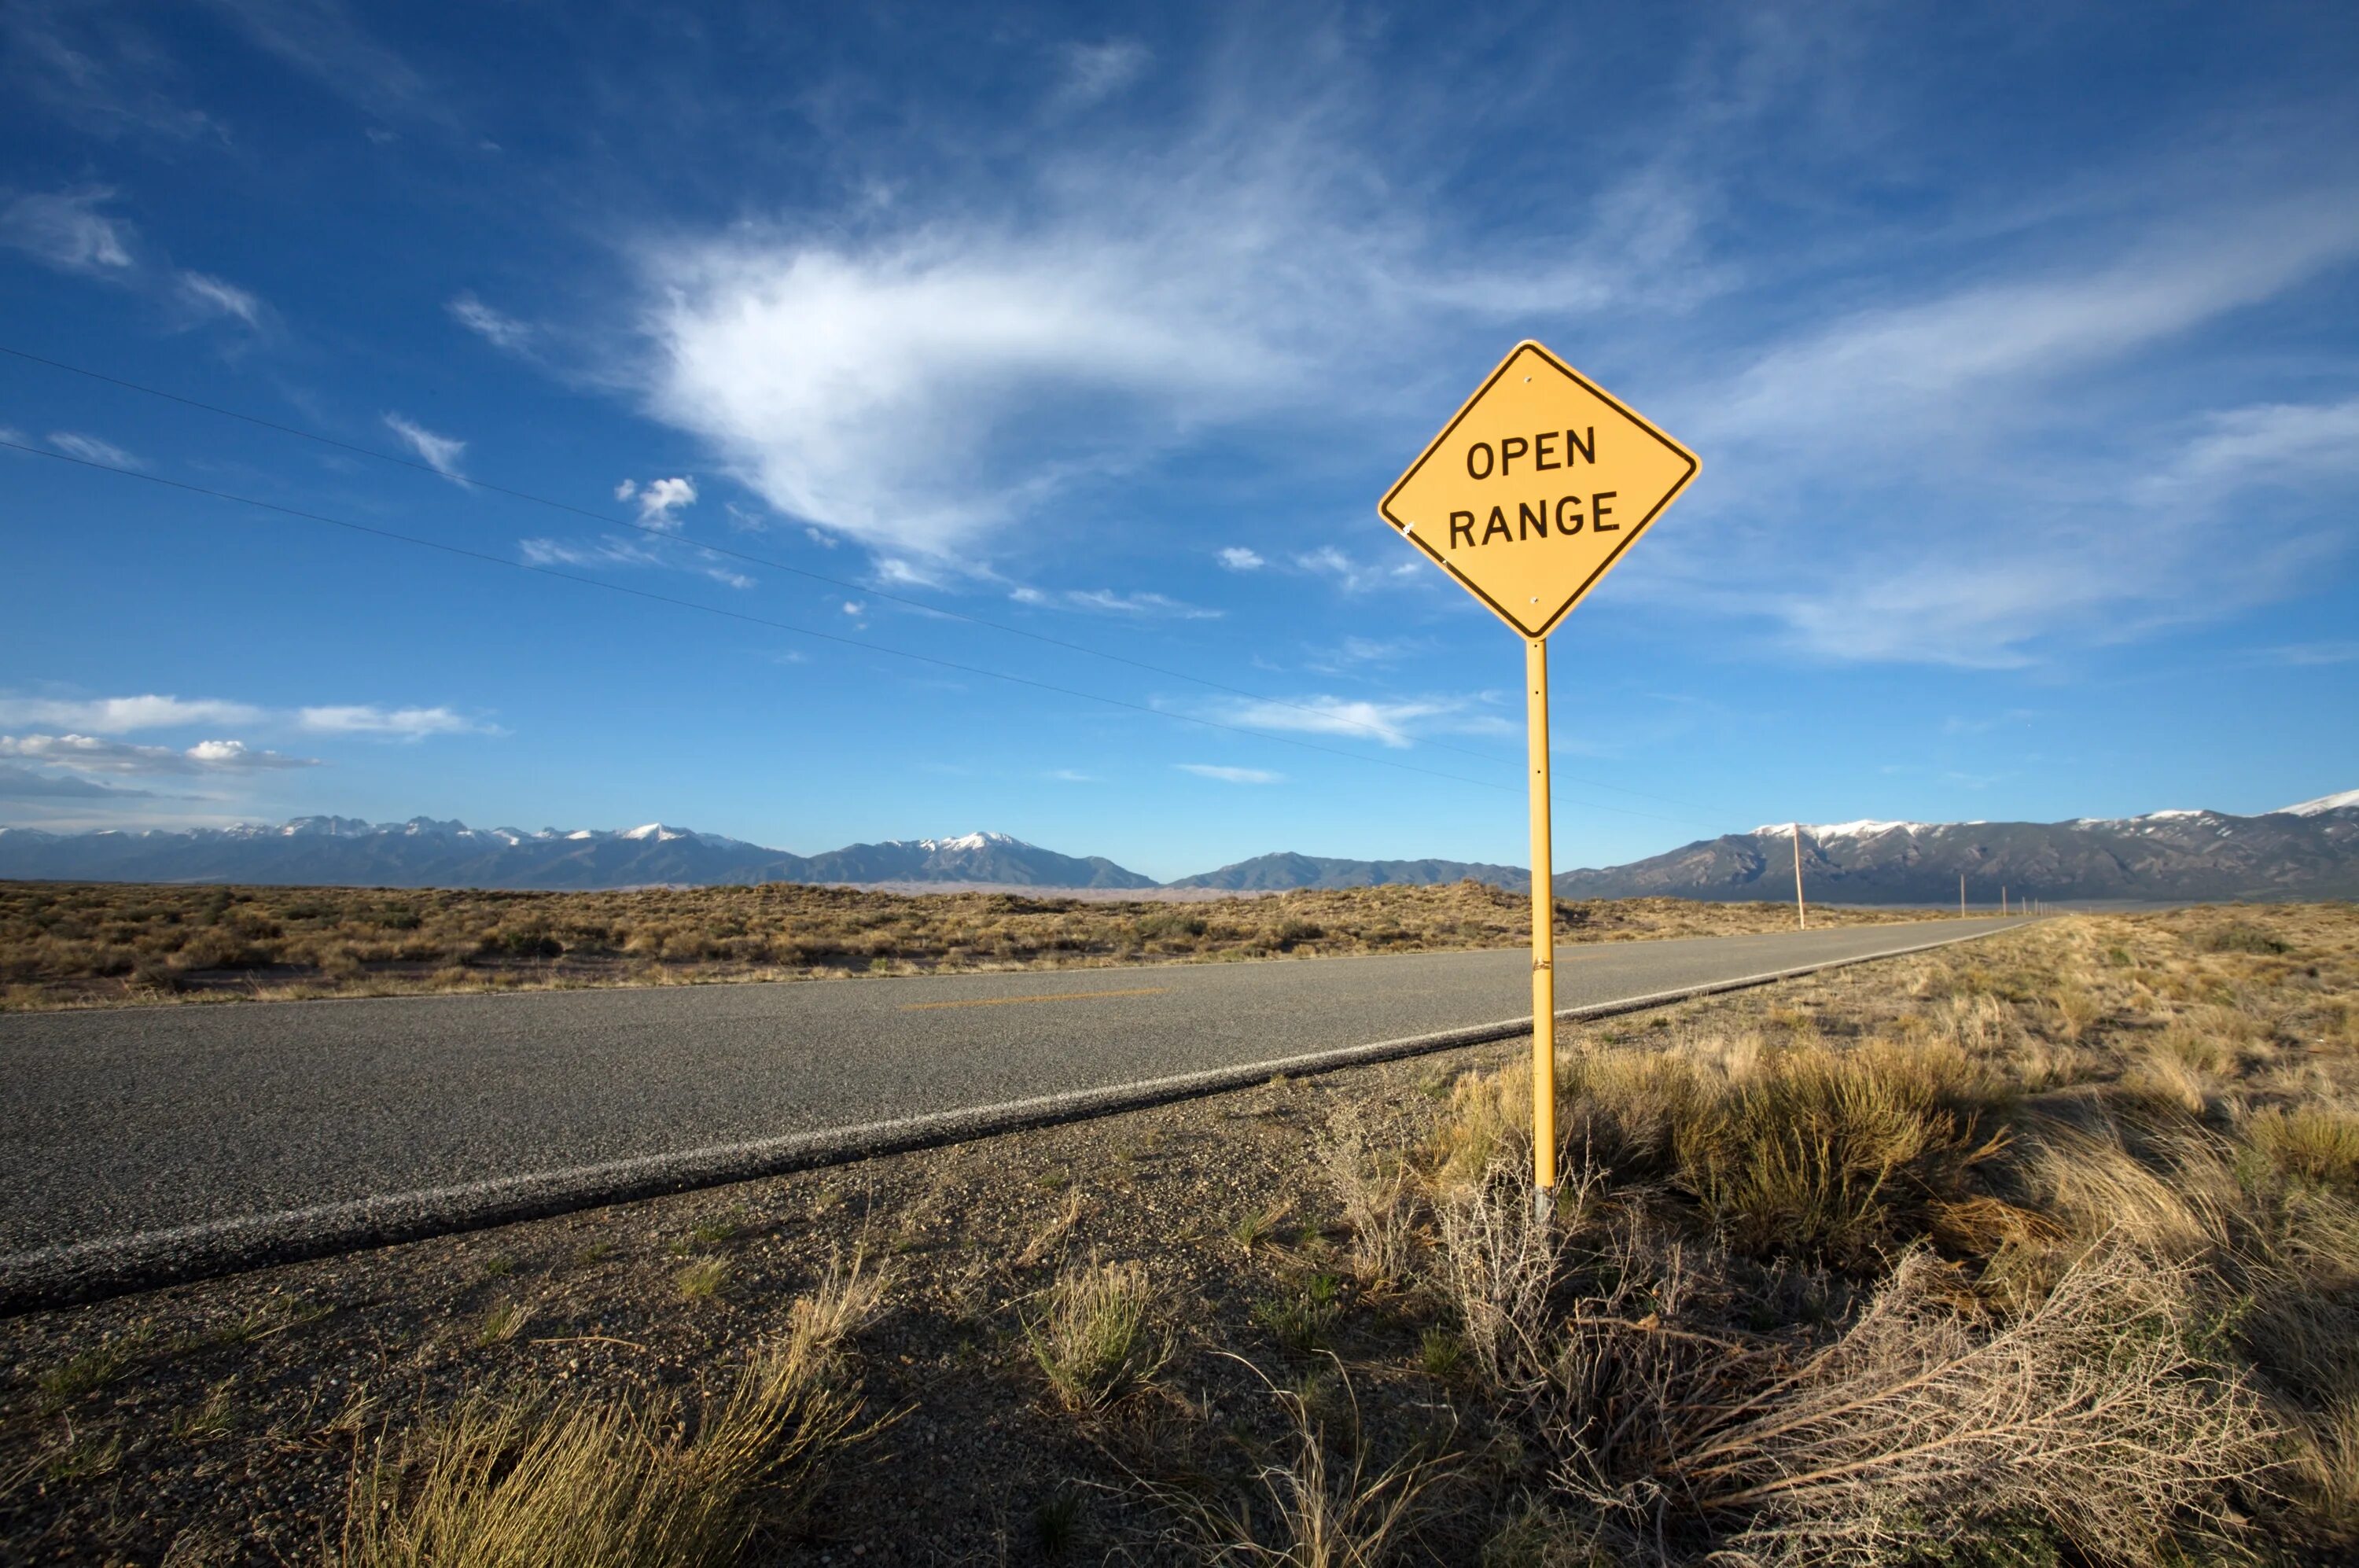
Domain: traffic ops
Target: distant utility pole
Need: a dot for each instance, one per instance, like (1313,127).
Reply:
(2002,898)
(1961,895)
(1801,911)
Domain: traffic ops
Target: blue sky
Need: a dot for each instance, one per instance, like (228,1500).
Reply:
(2019,342)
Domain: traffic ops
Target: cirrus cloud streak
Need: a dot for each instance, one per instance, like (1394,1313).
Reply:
(91,753)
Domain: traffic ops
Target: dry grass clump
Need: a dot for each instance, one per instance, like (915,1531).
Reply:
(2102,1414)
(2097,1413)
(2054,1248)
(1098,1335)
(525,1483)
(1792,1145)
(2293,1265)
(2097,1171)
(703,1279)
(1487,1122)
(2094,1412)
(2077,1010)
(1812,1149)
(1496,1269)
(2308,1143)
(1380,1198)
(79,944)
(1310,1507)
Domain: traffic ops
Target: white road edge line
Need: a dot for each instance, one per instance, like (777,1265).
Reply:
(289,1235)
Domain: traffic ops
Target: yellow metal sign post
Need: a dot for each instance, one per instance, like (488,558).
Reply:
(1528,497)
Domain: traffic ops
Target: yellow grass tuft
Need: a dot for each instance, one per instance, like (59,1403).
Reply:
(703,1279)
(2318,1143)
(1097,1335)
(525,1483)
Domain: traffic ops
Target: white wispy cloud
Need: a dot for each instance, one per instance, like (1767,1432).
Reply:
(1147,605)
(71,230)
(1229,775)
(1970,353)
(1354,575)
(495,327)
(90,449)
(66,230)
(91,753)
(99,70)
(400,723)
(617,550)
(123,715)
(802,366)
(1107,602)
(93,716)
(1355,653)
(440,452)
(661,501)
(2302,655)
(2269,444)
(1096,72)
(325,40)
(1155,287)
(1393,722)
(1237,558)
(1970,472)
(211,296)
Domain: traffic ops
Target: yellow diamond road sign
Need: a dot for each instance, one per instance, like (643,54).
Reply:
(1534,490)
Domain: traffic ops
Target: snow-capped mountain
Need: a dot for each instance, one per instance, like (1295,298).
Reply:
(2308,850)
(423,853)
(971,857)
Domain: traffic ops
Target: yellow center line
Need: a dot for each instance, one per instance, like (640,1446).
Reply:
(1050,997)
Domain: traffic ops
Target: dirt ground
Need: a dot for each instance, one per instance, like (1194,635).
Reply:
(230,1421)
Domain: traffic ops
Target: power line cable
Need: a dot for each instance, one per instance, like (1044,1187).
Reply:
(380,455)
(775,625)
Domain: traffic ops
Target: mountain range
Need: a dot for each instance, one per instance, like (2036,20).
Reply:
(2310,850)
(423,853)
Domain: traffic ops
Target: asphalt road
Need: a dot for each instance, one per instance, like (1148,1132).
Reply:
(144,1144)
